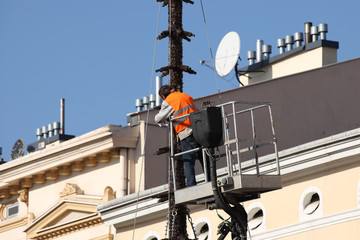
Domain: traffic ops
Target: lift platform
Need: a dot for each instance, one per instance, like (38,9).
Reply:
(248,155)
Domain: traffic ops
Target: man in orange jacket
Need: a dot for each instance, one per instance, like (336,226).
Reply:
(177,104)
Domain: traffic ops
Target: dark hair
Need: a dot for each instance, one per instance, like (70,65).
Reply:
(165,91)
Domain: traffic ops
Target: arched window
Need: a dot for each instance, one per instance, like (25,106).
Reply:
(256,217)
(310,206)
(202,227)
(152,235)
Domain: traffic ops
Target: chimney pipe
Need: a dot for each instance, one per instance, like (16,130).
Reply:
(281,45)
(50,130)
(56,127)
(289,41)
(146,102)
(323,29)
(251,56)
(298,38)
(62,116)
(38,133)
(259,44)
(139,104)
(158,86)
(314,33)
(44,131)
(307,32)
(266,50)
(152,100)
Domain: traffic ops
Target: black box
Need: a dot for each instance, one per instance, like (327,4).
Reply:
(207,126)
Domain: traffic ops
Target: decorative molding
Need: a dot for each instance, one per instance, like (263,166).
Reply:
(78,166)
(27,182)
(104,237)
(13,223)
(65,170)
(71,189)
(109,194)
(39,178)
(90,161)
(24,195)
(307,226)
(52,174)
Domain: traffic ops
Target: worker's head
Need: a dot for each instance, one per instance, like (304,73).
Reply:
(165,91)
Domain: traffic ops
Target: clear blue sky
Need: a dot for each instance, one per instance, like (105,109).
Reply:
(98,54)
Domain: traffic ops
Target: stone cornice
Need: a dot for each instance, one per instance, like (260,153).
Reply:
(49,162)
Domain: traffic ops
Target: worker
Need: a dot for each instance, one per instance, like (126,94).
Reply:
(177,104)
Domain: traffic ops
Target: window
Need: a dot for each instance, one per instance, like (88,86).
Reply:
(202,227)
(256,217)
(152,235)
(310,206)
(11,210)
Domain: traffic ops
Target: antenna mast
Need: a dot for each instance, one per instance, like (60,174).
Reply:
(175,32)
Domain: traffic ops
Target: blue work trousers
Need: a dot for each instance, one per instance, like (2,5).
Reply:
(189,143)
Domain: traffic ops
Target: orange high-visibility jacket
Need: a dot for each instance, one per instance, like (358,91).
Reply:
(182,104)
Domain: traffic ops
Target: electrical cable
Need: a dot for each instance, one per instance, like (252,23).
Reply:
(146,125)
(211,54)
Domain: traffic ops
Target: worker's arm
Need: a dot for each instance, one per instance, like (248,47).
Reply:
(165,112)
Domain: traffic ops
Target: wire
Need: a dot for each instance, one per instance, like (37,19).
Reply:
(146,125)
(211,54)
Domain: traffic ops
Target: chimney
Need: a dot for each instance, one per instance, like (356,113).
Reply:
(281,45)
(56,127)
(266,50)
(251,56)
(50,130)
(307,32)
(298,38)
(62,116)
(259,44)
(289,41)
(152,100)
(314,33)
(146,102)
(323,29)
(139,104)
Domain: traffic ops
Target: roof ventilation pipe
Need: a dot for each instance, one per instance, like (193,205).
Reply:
(281,45)
(259,44)
(307,32)
(266,50)
(152,100)
(139,104)
(158,86)
(298,38)
(50,130)
(146,102)
(314,31)
(289,41)
(56,127)
(38,133)
(62,116)
(323,29)
(251,56)
(44,131)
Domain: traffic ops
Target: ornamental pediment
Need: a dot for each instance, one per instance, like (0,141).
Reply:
(66,217)
(74,212)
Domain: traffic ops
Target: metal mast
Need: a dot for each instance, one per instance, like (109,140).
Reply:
(175,69)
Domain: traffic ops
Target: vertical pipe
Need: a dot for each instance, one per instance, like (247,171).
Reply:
(172,154)
(254,143)
(237,139)
(123,172)
(259,44)
(307,32)
(158,86)
(275,141)
(62,116)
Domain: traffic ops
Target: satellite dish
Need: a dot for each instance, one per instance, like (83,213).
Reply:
(18,149)
(227,53)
